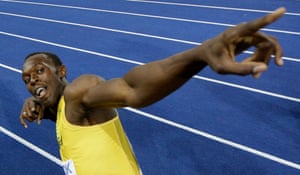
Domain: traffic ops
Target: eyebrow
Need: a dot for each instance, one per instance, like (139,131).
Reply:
(35,65)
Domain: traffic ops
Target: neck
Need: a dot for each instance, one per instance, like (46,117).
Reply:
(52,110)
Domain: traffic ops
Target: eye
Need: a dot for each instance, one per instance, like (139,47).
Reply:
(41,70)
(26,79)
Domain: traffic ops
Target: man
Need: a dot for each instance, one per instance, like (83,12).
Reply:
(89,131)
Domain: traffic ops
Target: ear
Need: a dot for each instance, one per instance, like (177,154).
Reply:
(62,71)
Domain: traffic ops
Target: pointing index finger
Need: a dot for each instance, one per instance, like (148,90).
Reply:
(23,121)
(253,26)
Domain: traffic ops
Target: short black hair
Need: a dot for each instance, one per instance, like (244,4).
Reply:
(54,58)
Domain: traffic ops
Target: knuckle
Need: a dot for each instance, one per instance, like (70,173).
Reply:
(266,45)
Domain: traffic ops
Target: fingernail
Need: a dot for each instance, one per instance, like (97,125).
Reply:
(259,68)
(257,75)
(280,62)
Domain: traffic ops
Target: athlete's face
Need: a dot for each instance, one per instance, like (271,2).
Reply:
(43,79)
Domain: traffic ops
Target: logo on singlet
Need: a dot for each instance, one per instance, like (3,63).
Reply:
(59,140)
(58,135)
(69,167)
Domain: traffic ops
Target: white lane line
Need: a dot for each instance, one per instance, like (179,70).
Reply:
(140,63)
(100,28)
(249,89)
(73,48)
(218,139)
(122,31)
(212,7)
(31,146)
(148,16)
(10,68)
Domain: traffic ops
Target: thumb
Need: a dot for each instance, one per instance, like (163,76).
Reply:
(258,70)
(246,68)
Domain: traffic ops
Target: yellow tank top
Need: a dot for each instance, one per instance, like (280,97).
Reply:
(101,149)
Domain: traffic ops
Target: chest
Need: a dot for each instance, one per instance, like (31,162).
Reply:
(78,115)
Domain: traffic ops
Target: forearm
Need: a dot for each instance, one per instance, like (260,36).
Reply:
(154,81)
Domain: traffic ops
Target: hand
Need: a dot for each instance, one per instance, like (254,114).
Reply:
(223,48)
(31,111)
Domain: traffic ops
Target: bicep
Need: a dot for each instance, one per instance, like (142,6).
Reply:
(111,93)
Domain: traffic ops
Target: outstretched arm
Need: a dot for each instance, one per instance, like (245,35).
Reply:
(146,84)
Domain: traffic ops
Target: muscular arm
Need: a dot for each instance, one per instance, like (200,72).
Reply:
(146,84)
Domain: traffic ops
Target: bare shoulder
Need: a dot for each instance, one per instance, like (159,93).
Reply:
(78,87)
(87,78)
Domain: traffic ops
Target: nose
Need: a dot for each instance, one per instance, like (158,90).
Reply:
(33,79)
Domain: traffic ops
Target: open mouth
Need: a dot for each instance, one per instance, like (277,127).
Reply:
(40,92)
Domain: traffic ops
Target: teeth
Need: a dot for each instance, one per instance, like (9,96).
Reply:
(39,90)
